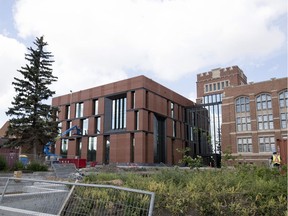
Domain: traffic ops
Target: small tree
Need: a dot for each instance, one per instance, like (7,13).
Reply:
(189,161)
(227,155)
(31,123)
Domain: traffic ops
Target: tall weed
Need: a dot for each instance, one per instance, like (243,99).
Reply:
(245,190)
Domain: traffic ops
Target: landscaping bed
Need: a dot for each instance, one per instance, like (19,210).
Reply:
(245,190)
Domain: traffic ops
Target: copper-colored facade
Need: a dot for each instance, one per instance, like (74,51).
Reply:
(131,121)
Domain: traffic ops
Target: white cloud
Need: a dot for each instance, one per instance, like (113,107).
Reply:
(96,42)
(11,59)
(103,39)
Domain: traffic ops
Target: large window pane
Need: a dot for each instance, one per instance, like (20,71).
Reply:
(96,105)
(79,110)
(119,113)
(244,144)
(266,144)
(92,149)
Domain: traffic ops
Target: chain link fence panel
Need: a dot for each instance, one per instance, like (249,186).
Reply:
(42,197)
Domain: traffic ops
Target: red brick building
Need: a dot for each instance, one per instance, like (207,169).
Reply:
(210,88)
(131,121)
(254,118)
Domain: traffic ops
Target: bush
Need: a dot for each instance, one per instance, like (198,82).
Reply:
(3,163)
(245,190)
(18,165)
(35,166)
(187,160)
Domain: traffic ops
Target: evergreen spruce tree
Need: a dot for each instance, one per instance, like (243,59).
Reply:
(31,123)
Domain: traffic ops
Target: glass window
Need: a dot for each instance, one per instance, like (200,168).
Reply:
(96,107)
(97,125)
(264,102)
(133,101)
(283,103)
(244,144)
(60,127)
(206,88)
(214,86)
(258,106)
(64,148)
(265,122)
(218,86)
(242,104)
(260,126)
(79,110)
(210,98)
(206,99)
(172,109)
(210,87)
(248,123)
(85,124)
(243,123)
(137,120)
(283,119)
(92,149)
(69,125)
(67,112)
(218,97)
(250,145)
(266,144)
(119,113)
(174,128)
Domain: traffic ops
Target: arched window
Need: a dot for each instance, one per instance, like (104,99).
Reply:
(264,102)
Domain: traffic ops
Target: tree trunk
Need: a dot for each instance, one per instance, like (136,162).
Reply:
(35,151)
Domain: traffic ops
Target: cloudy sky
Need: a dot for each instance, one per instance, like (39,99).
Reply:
(95,42)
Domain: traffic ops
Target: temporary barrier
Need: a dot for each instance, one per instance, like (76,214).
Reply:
(282,148)
(41,197)
(79,163)
(10,155)
(66,171)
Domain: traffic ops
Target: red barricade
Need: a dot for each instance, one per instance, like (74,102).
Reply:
(79,163)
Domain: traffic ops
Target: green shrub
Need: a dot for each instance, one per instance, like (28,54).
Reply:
(187,160)
(18,165)
(245,190)
(3,163)
(36,166)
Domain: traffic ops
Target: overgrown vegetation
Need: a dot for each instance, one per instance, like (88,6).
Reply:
(189,161)
(3,163)
(34,166)
(245,190)
(18,166)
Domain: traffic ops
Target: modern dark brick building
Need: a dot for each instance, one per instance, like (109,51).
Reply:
(131,121)
(255,118)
